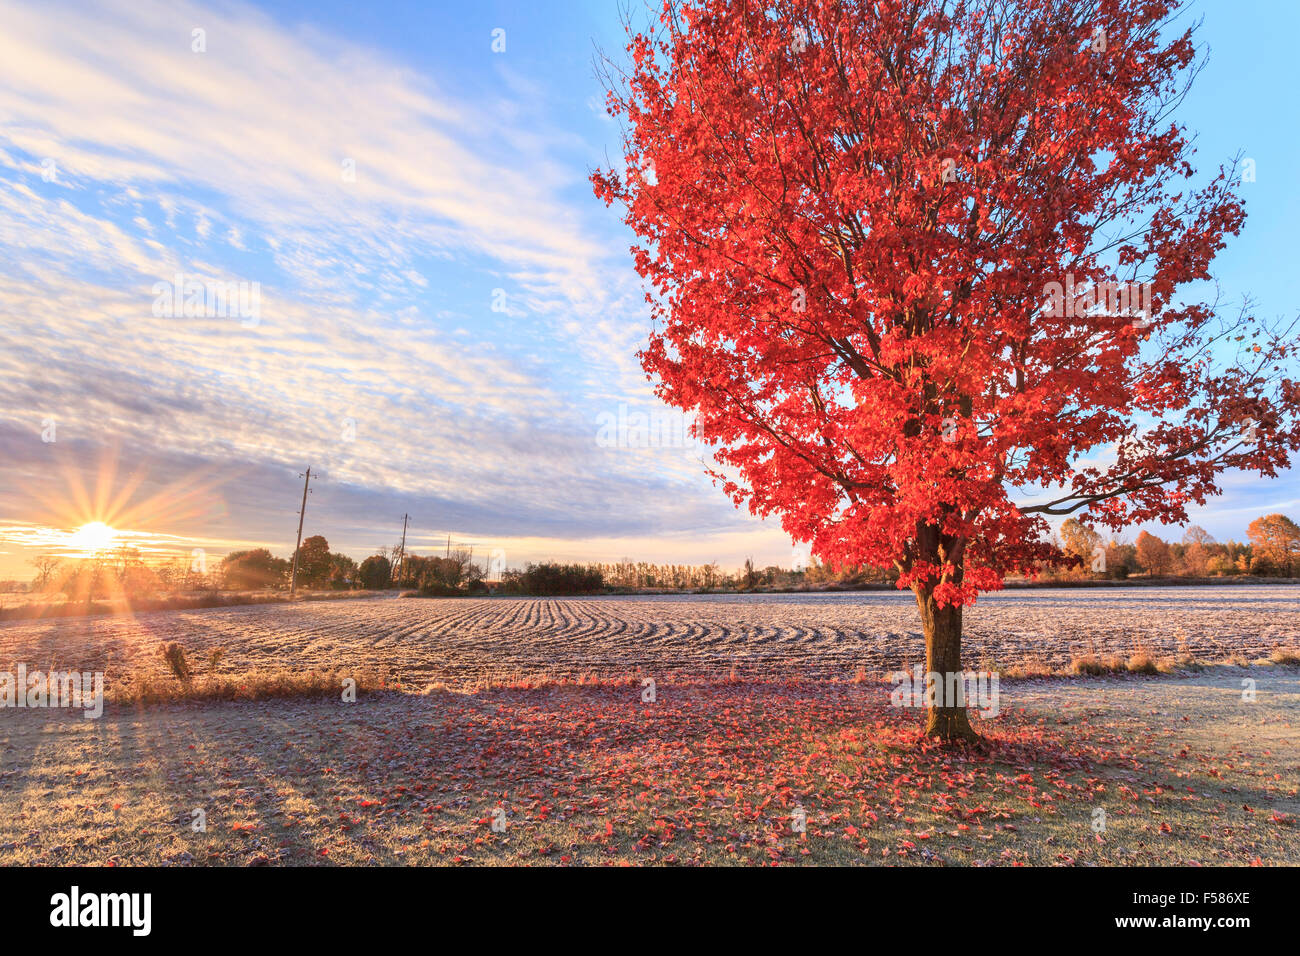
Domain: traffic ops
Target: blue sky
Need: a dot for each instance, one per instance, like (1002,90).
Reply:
(377,356)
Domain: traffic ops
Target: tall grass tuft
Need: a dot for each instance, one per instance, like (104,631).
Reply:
(281,684)
(174,654)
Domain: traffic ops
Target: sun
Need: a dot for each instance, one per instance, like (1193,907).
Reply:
(93,537)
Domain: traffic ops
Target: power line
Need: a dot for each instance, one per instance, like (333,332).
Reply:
(401,552)
(302,513)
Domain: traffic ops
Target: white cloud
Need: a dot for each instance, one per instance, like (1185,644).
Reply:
(228,166)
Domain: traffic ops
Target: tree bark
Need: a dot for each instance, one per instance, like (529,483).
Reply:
(942,627)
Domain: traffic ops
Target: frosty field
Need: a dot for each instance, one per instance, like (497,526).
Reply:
(466,642)
(530,714)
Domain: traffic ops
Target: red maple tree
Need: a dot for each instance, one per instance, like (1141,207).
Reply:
(913,261)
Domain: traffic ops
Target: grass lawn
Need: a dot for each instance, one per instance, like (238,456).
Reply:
(1185,770)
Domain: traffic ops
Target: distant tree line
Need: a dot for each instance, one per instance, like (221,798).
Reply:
(708,577)
(124,571)
(112,573)
(1273,551)
(453,573)
(318,567)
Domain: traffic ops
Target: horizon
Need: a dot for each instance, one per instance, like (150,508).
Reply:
(108,542)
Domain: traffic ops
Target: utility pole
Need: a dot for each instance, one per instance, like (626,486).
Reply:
(449,545)
(293,577)
(401,553)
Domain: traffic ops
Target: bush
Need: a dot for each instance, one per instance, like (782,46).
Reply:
(1263,566)
(174,654)
(1091,665)
(1220,566)
(1142,663)
(440,590)
(551,578)
(253,570)
(375,573)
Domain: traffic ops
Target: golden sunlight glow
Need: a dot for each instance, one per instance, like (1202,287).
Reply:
(93,537)
(80,512)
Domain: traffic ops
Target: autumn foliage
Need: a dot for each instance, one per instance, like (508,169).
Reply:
(907,258)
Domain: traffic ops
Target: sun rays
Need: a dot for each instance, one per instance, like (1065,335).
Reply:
(110,512)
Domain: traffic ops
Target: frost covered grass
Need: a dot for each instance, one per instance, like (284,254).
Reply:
(518,731)
(1182,772)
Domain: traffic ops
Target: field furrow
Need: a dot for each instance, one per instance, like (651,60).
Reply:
(463,642)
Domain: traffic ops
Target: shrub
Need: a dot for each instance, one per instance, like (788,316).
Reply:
(436,589)
(1263,566)
(258,686)
(1091,665)
(1220,565)
(375,573)
(1142,662)
(553,578)
(174,654)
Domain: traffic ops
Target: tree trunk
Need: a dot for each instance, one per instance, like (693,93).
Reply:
(942,627)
